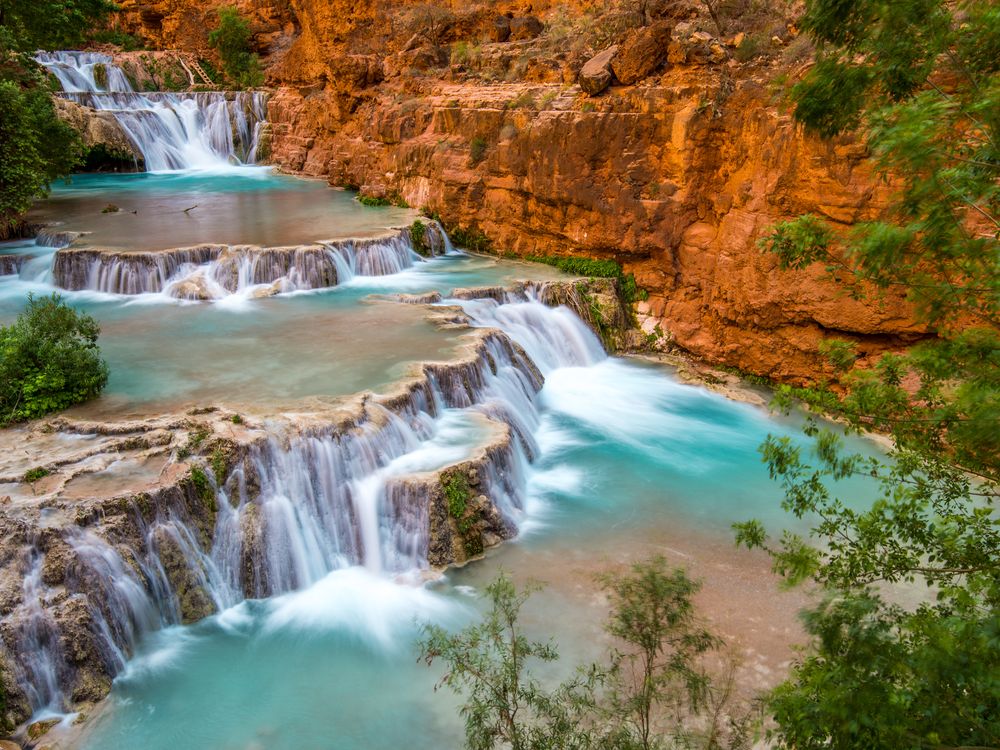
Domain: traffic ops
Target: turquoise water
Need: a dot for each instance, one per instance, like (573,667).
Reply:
(630,463)
(252,206)
(167,354)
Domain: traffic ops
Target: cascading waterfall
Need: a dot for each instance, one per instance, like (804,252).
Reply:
(216,271)
(301,504)
(173,131)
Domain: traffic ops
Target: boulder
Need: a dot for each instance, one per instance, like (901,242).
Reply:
(97,128)
(596,75)
(500,30)
(642,52)
(526,27)
(424,58)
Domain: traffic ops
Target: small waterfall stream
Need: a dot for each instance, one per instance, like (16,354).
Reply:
(173,131)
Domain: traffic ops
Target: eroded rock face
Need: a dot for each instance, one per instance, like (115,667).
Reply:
(525,27)
(676,180)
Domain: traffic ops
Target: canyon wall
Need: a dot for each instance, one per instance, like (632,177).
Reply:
(475,114)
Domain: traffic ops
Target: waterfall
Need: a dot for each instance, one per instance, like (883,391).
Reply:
(552,337)
(211,272)
(295,505)
(173,131)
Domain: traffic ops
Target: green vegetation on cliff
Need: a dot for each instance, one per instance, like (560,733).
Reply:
(231,39)
(606,269)
(921,80)
(49,360)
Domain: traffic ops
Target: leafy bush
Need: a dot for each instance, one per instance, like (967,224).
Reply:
(477,150)
(418,235)
(606,269)
(49,360)
(36,147)
(119,38)
(232,41)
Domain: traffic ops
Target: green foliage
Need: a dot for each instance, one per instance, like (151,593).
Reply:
(923,79)
(471,239)
(418,235)
(607,269)
(49,360)
(29,25)
(477,150)
(236,419)
(456,493)
(36,147)
(391,199)
(652,615)
(374,201)
(505,706)
(203,488)
(117,37)
(650,693)
(858,687)
(33,475)
(218,461)
(231,39)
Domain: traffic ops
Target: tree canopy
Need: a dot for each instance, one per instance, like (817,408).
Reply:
(49,360)
(906,645)
(35,146)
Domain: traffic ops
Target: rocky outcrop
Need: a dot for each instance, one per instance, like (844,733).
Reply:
(207,272)
(109,530)
(100,132)
(642,52)
(11,264)
(596,74)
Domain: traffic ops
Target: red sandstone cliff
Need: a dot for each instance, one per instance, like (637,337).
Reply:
(676,177)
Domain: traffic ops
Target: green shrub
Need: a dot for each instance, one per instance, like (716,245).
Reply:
(607,269)
(372,200)
(392,199)
(128,42)
(33,475)
(477,150)
(203,488)
(36,147)
(218,461)
(232,41)
(418,235)
(456,492)
(49,360)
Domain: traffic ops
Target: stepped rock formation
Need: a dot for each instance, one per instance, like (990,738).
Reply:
(114,529)
(677,177)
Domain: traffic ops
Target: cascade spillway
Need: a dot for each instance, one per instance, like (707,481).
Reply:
(296,503)
(174,131)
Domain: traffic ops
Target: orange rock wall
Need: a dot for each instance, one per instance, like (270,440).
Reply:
(677,178)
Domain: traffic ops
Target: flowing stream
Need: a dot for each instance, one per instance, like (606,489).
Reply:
(314,577)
